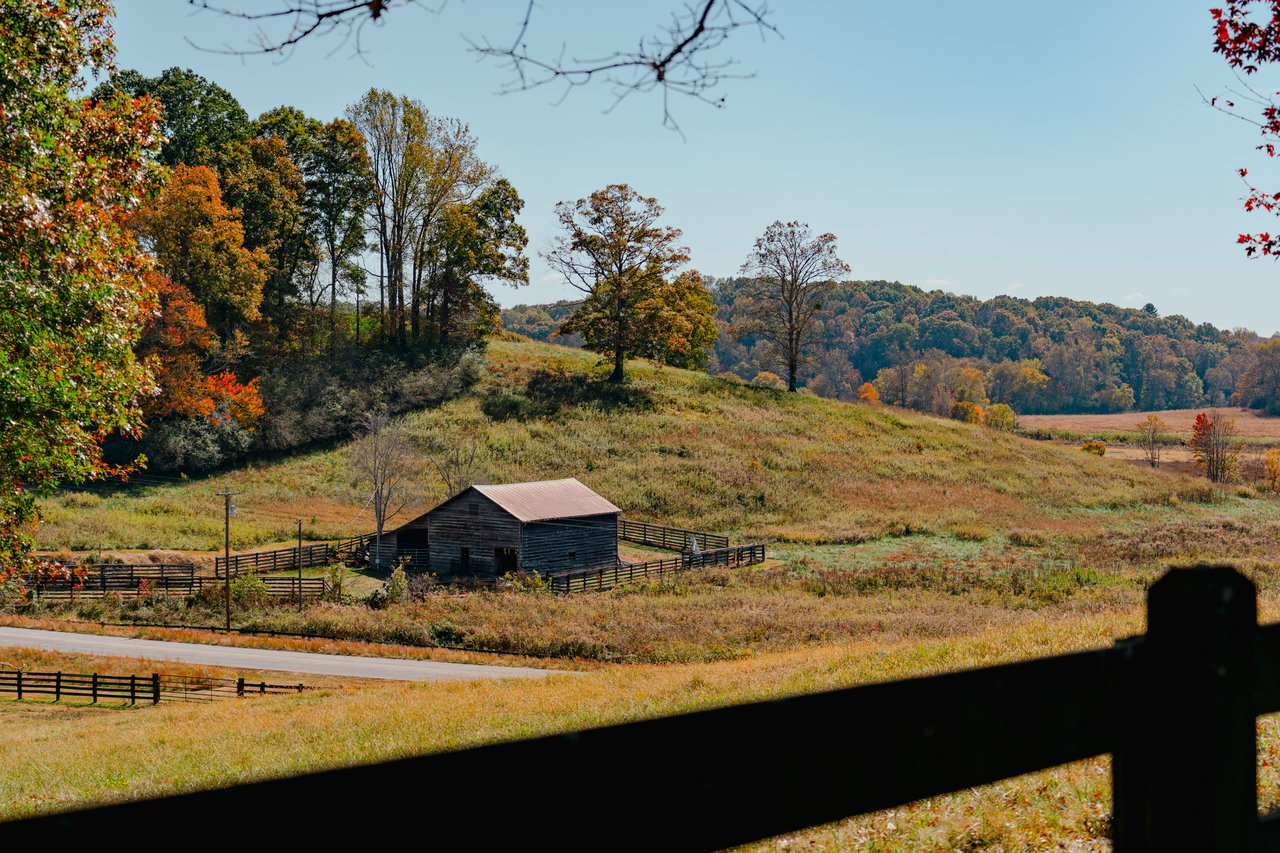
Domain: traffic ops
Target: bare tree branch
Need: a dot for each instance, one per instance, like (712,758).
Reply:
(678,59)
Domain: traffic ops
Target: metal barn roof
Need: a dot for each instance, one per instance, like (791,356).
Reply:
(547,499)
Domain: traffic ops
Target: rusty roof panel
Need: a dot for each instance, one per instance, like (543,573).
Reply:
(547,499)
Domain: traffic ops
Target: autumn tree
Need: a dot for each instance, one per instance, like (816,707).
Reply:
(72,294)
(1248,41)
(612,249)
(1152,436)
(471,243)
(199,243)
(1215,446)
(792,272)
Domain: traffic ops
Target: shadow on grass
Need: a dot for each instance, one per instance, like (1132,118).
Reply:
(548,392)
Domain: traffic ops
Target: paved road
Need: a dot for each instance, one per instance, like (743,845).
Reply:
(267,659)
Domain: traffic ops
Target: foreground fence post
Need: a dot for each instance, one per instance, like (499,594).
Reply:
(1184,774)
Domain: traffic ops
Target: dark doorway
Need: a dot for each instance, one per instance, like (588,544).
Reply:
(504,560)
(465,561)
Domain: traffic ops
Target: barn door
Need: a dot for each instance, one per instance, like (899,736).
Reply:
(504,560)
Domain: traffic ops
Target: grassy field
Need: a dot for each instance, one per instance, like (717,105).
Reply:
(900,545)
(692,451)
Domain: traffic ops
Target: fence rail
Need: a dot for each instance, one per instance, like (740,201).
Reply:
(662,536)
(129,585)
(134,688)
(1176,708)
(275,560)
(582,580)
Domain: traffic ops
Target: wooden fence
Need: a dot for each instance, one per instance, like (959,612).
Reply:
(1176,709)
(582,580)
(133,688)
(176,579)
(661,536)
(123,579)
(286,588)
(276,560)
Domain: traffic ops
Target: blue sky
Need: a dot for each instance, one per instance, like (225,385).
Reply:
(981,147)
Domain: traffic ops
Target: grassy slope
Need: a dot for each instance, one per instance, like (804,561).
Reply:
(710,453)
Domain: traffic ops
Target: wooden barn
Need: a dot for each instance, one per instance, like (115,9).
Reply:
(528,527)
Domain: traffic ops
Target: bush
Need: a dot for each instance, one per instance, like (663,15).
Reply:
(966,411)
(1001,416)
(1097,448)
(397,585)
(249,591)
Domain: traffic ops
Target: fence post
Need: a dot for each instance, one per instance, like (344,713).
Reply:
(95,688)
(133,689)
(1183,772)
(240,686)
(155,688)
(19,684)
(57,686)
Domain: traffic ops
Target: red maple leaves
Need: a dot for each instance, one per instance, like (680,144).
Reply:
(1247,33)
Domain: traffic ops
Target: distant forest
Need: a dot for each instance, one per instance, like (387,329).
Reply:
(928,349)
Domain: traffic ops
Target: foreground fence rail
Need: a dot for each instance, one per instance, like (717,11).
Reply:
(582,580)
(1176,708)
(152,688)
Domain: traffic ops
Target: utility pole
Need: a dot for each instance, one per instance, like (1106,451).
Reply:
(299,565)
(226,530)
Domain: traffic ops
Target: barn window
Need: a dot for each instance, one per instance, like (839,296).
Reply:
(572,556)
(474,509)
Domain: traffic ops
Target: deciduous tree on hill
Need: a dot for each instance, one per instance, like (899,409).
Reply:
(792,271)
(614,251)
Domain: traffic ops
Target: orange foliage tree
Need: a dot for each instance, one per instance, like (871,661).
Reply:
(178,344)
(200,243)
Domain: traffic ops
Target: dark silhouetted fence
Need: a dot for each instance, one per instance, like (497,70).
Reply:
(582,580)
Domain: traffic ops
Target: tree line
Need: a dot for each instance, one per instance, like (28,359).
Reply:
(931,349)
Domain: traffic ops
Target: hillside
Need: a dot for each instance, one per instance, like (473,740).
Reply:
(683,448)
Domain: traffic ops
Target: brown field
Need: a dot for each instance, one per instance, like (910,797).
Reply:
(1249,423)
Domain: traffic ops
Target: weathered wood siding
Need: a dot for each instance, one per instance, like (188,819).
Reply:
(469,521)
(569,543)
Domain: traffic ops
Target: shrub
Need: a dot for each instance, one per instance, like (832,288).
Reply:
(966,411)
(397,585)
(1001,416)
(1027,538)
(1097,448)
(971,532)
(249,591)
